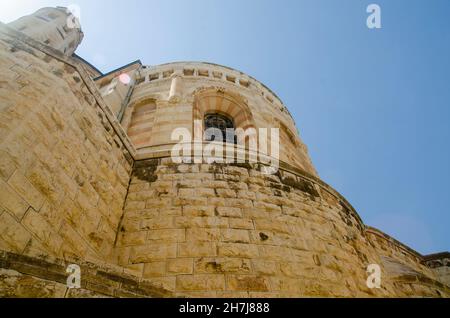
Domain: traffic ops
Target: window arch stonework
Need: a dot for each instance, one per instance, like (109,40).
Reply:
(140,121)
(215,123)
(216,100)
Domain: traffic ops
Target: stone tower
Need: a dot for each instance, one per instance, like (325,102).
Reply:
(55,27)
(88,177)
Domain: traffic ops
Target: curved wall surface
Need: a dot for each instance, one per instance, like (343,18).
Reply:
(229,230)
(174,95)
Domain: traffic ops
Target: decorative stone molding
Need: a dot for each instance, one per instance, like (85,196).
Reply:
(23,276)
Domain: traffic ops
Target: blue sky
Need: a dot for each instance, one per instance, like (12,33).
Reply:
(372,105)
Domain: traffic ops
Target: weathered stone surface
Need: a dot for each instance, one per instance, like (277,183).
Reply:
(197,249)
(291,247)
(56,150)
(14,284)
(180,266)
(12,233)
(222,265)
(155,269)
(200,282)
(151,252)
(248,283)
(11,201)
(27,277)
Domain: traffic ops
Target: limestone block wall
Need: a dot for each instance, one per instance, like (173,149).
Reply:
(230,231)
(29,277)
(410,272)
(64,167)
(440,263)
(391,248)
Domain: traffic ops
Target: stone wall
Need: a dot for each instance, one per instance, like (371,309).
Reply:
(25,277)
(440,263)
(409,271)
(64,166)
(230,231)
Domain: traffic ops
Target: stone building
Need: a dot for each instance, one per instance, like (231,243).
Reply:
(87,178)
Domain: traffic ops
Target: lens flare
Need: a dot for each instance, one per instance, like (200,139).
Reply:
(125,79)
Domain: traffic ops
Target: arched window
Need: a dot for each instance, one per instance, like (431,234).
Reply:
(141,123)
(216,124)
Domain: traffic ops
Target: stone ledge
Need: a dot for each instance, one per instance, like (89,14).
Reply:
(437,256)
(424,259)
(394,241)
(103,281)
